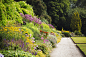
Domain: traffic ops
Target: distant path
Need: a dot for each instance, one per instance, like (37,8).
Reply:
(66,48)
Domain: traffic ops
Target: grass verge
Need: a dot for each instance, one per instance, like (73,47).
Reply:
(79,40)
(82,47)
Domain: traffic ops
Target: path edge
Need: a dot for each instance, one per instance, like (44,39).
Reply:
(78,48)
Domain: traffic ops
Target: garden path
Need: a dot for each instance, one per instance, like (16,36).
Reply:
(66,48)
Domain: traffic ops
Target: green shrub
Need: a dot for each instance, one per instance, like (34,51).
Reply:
(45,27)
(62,35)
(11,11)
(44,20)
(77,33)
(16,53)
(28,31)
(66,34)
(7,1)
(34,29)
(26,8)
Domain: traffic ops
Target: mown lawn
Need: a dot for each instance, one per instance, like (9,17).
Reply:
(79,39)
(82,47)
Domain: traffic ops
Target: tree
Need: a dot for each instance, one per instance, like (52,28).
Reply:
(57,9)
(76,23)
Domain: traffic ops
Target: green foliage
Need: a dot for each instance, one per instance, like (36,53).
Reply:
(26,8)
(7,1)
(52,39)
(38,5)
(8,12)
(77,33)
(58,11)
(46,18)
(66,34)
(44,47)
(28,31)
(82,14)
(81,3)
(45,27)
(11,32)
(34,29)
(76,23)
(16,53)
(2,14)
(11,11)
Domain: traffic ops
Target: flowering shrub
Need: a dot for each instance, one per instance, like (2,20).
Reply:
(28,36)
(44,47)
(40,54)
(51,25)
(52,39)
(29,18)
(16,38)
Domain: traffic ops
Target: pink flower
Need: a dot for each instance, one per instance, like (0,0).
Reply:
(33,41)
(37,46)
(44,41)
(34,48)
(33,38)
(42,38)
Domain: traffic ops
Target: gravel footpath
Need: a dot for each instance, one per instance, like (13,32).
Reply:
(66,48)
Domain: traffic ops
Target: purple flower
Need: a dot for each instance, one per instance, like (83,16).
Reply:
(33,41)
(1,55)
(51,25)
(26,43)
(24,21)
(12,39)
(23,45)
(5,39)
(26,16)
(35,53)
(20,45)
(34,48)
(46,40)
(22,15)
(26,34)
(25,50)
(33,38)
(41,26)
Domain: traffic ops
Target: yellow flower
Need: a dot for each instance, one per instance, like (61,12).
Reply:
(5,29)
(22,30)
(26,32)
(7,32)
(37,55)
